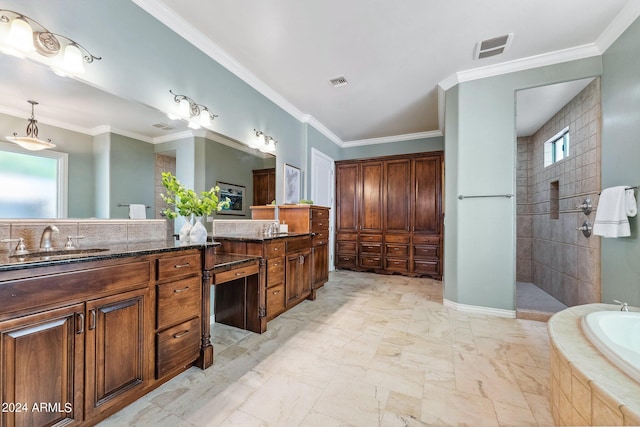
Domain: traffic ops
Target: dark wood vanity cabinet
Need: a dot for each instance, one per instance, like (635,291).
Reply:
(311,219)
(389,214)
(78,338)
(298,270)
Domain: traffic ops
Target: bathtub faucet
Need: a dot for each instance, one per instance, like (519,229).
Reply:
(623,305)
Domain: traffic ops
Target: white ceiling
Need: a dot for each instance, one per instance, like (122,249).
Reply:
(395,56)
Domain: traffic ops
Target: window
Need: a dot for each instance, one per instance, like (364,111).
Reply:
(33,184)
(557,148)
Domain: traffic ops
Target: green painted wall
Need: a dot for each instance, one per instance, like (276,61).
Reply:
(131,175)
(481,237)
(620,159)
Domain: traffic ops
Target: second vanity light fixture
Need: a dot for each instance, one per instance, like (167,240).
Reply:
(22,36)
(196,114)
(264,143)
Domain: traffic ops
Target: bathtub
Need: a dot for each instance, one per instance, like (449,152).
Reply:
(617,335)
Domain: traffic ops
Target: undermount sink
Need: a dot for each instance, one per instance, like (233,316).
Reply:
(59,252)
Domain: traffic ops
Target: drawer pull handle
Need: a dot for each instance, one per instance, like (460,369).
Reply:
(346,259)
(240,273)
(181,334)
(177,291)
(276,249)
(92,323)
(181,265)
(370,247)
(81,323)
(276,292)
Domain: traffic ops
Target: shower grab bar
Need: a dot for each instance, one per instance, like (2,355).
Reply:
(508,196)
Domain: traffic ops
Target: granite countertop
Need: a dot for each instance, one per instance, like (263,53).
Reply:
(256,236)
(9,261)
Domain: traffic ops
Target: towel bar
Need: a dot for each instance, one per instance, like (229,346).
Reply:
(508,196)
(122,205)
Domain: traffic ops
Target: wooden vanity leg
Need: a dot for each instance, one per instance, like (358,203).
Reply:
(206,348)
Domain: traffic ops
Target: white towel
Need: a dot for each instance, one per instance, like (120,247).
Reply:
(615,205)
(137,211)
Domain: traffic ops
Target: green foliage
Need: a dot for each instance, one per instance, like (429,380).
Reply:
(305,202)
(184,202)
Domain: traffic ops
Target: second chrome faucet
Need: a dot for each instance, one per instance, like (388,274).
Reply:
(45,240)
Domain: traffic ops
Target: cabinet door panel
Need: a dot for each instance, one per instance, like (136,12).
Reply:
(427,197)
(320,265)
(115,348)
(397,188)
(371,197)
(347,197)
(42,357)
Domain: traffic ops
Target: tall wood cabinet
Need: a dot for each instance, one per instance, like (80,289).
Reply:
(389,214)
(264,186)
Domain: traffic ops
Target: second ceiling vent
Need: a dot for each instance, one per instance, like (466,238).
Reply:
(492,47)
(339,81)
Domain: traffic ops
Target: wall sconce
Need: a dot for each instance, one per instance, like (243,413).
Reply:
(264,143)
(31,141)
(196,114)
(22,36)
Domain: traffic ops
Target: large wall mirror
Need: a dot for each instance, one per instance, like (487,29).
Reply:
(115,148)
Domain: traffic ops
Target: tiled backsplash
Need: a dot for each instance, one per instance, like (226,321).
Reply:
(240,227)
(95,231)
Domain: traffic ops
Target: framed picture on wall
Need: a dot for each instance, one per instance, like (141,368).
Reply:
(291,184)
(235,193)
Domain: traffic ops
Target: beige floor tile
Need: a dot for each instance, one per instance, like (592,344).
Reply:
(370,350)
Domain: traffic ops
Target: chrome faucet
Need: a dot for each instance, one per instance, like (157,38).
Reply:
(623,305)
(45,240)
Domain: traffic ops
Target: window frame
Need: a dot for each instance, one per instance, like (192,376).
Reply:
(62,171)
(550,147)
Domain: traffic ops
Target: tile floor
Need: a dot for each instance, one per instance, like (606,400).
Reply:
(372,350)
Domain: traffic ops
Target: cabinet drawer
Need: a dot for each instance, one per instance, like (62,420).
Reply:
(178,266)
(320,238)
(426,240)
(397,238)
(177,346)
(275,301)
(370,248)
(319,213)
(346,261)
(320,224)
(275,271)
(392,264)
(426,267)
(397,250)
(370,262)
(348,247)
(274,249)
(178,301)
(370,238)
(295,244)
(236,273)
(346,237)
(426,251)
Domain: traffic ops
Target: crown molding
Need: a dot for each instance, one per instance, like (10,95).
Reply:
(98,130)
(629,13)
(178,25)
(394,138)
(550,58)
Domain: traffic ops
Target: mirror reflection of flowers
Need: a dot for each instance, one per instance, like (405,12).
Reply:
(185,202)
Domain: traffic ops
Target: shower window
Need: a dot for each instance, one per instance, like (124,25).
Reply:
(557,148)
(33,183)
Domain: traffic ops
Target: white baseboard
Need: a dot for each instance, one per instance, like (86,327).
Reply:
(477,309)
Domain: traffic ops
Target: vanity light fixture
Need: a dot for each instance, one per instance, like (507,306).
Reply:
(196,114)
(26,37)
(31,141)
(264,143)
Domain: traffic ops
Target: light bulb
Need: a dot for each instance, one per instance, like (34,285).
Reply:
(73,61)
(21,35)
(205,119)
(184,109)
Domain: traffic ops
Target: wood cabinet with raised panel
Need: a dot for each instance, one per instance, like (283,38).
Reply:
(389,214)
(311,219)
(264,186)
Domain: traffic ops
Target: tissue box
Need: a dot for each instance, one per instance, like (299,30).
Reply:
(284,228)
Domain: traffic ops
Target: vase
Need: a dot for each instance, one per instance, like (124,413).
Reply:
(198,233)
(185,231)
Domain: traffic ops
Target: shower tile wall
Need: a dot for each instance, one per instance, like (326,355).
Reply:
(163,164)
(551,253)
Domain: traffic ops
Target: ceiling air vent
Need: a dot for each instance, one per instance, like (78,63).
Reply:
(339,81)
(492,47)
(163,126)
